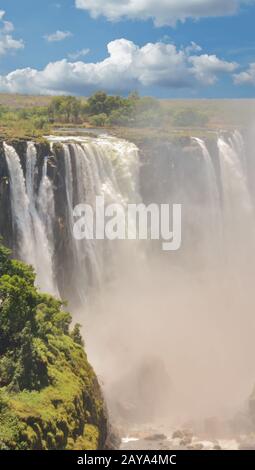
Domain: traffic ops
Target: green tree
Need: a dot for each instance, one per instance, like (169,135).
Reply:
(65,108)
(26,316)
(101,103)
(190,118)
(49,395)
(99,120)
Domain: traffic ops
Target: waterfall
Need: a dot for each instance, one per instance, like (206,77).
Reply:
(102,167)
(22,223)
(163,298)
(109,167)
(46,205)
(46,217)
(237,143)
(33,244)
(211,186)
(237,199)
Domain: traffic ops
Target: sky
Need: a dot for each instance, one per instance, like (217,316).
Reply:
(162,48)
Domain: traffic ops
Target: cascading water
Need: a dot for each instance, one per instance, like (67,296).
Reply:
(210,174)
(32,243)
(213,209)
(40,242)
(237,200)
(105,167)
(46,205)
(158,312)
(101,167)
(20,207)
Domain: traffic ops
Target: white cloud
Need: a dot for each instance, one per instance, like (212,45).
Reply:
(76,55)
(127,66)
(163,12)
(207,67)
(8,27)
(7,41)
(58,36)
(193,47)
(247,77)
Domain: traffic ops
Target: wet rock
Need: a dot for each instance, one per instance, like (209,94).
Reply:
(187,433)
(198,446)
(217,447)
(186,441)
(178,435)
(194,446)
(156,437)
(142,394)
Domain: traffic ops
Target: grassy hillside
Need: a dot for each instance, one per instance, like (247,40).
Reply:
(49,394)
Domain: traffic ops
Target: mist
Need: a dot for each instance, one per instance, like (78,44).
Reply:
(171,335)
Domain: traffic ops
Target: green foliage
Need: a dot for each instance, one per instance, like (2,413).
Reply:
(190,118)
(65,108)
(48,392)
(101,110)
(76,335)
(131,111)
(101,103)
(99,120)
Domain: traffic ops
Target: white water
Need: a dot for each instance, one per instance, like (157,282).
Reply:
(102,167)
(34,246)
(199,323)
(237,200)
(20,206)
(213,221)
(46,205)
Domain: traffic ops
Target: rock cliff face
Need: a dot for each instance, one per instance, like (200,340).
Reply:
(169,165)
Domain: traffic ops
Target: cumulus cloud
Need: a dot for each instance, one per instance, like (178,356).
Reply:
(58,36)
(7,41)
(76,55)
(207,67)
(163,12)
(127,66)
(247,77)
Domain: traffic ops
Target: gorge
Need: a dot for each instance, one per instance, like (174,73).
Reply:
(170,335)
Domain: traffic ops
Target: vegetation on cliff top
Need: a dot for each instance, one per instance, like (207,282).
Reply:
(29,117)
(49,394)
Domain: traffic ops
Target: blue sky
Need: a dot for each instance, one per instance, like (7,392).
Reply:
(179,48)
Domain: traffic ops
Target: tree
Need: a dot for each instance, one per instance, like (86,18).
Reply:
(101,103)
(99,120)
(190,117)
(66,108)
(27,317)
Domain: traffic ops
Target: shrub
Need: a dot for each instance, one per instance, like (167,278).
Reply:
(190,118)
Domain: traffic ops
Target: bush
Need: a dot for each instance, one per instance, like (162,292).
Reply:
(99,120)
(40,122)
(190,118)
(49,394)
(101,103)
